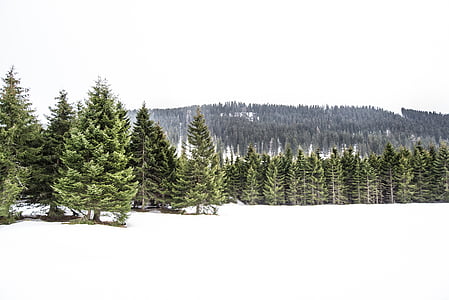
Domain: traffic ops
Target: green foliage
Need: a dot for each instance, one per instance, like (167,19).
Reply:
(20,135)
(95,176)
(201,173)
(59,124)
(153,160)
(273,189)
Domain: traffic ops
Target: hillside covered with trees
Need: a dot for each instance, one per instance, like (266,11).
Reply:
(270,128)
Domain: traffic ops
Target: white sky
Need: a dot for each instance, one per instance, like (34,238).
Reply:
(386,53)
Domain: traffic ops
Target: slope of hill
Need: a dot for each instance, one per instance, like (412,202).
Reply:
(271,127)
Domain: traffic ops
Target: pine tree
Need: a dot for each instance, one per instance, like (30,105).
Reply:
(349,169)
(315,180)
(59,124)
(285,171)
(21,135)
(404,176)
(251,190)
(153,161)
(300,178)
(390,161)
(369,180)
(441,171)
(421,173)
(334,178)
(204,192)
(10,184)
(95,176)
(273,189)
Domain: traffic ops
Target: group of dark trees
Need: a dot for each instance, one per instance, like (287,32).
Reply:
(395,176)
(89,161)
(97,158)
(271,128)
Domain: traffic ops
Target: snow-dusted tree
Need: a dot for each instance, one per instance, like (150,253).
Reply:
(96,176)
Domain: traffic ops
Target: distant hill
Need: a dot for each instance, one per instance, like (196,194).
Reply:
(270,127)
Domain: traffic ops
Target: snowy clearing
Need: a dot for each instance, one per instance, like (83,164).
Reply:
(247,252)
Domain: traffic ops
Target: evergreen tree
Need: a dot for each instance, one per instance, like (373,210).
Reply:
(251,190)
(273,190)
(285,171)
(390,162)
(404,176)
(369,180)
(205,190)
(96,176)
(300,179)
(21,135)
(441,171)
(59,124)
(421,174)
(153,161)
(334,178)
(315,192)
(349,176)
(10,185)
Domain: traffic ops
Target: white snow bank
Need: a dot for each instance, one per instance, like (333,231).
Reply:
(247,252)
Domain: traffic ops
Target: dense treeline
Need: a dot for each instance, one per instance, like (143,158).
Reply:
(270,128)
(395,176)
(91,161)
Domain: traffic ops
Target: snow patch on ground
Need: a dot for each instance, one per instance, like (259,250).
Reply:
(247,252)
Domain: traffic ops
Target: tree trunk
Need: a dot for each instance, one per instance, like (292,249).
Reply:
(97,214)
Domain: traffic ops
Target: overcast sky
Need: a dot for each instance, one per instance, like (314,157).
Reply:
(170,53)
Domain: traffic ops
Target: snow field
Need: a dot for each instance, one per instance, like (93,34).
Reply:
(247,252)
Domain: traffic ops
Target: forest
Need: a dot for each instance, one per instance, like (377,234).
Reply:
(97,158)
(271,128)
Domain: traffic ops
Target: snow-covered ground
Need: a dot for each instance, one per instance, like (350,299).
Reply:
(247,252)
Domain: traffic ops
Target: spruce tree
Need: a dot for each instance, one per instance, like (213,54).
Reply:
(205,190)
(21,135)
(251,190)
(404,176)
(153,161)
(441,171)
(369,180)
(59,124)
(390,162)
(334,177)
(273,189)
(95,174)
(315,192)
(421,173)
(301,178)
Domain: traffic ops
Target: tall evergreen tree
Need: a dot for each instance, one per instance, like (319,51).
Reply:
(273,189)
(21,134)
(315,180)
(421,173)
(153,161)
(204,192)
(251,190)
(390,162)
(96,176)
(441,171)
(334,178)
(404,176)
(59,124)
